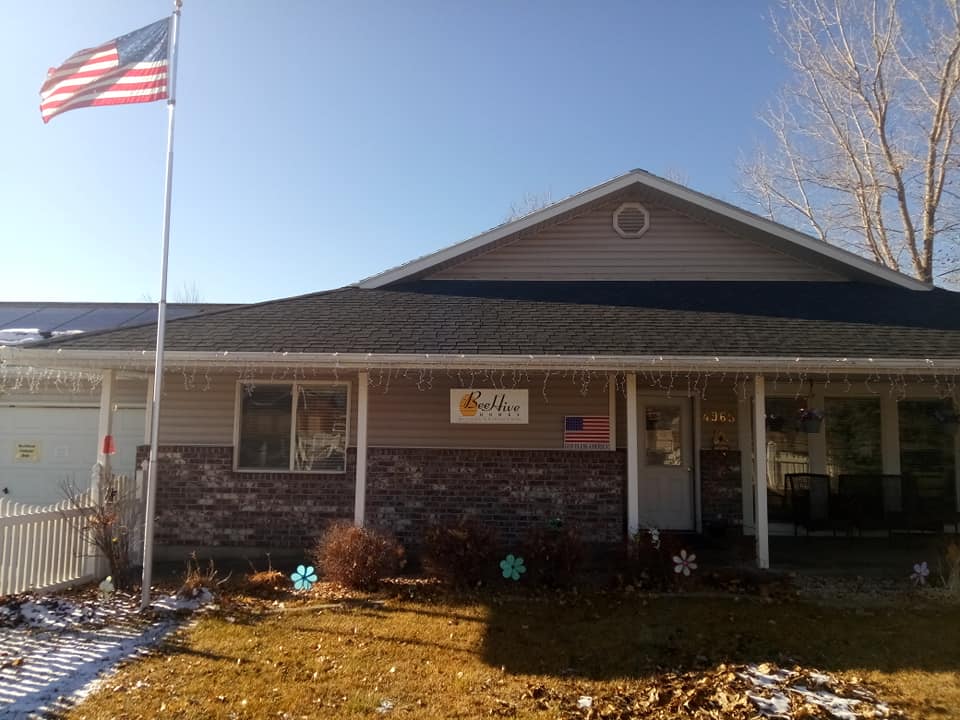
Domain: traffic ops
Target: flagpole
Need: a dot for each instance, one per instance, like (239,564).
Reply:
(151,489)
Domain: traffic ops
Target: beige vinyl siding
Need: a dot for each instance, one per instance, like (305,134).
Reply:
(675,247)
(193,415)
(129,392)
(408,417)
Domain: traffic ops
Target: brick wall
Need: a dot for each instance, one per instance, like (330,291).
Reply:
(511,490)
(203,503)
(720,490)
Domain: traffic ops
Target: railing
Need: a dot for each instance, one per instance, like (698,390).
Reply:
(45,548)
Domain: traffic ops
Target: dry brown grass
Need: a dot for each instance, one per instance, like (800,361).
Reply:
(469,656)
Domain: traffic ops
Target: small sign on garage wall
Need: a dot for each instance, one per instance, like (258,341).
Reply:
(26,452)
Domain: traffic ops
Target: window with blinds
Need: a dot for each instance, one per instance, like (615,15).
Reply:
(296,427)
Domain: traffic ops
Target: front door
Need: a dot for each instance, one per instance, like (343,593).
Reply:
(666,464)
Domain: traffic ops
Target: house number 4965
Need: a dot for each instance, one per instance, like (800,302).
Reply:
(719,417)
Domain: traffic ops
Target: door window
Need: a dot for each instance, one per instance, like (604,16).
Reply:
(664,436)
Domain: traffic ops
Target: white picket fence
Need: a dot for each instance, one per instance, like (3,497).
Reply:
(43,548)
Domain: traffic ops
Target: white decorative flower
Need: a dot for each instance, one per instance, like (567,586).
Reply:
(585,702)
(920,573)
(654,537)
(684,563)
(106,586)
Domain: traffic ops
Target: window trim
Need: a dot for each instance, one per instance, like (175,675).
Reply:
(294,385)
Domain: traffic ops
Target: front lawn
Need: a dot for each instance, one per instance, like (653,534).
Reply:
(413,651)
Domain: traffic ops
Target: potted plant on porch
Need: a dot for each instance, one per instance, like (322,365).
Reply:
(810,419)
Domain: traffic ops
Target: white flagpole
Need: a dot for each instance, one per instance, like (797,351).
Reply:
(151,489)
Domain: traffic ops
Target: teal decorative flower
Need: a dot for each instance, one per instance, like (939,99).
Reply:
(304,577)
(512,567)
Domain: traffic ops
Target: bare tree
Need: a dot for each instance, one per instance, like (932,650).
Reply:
(530,202)
(862,150)
(188,293)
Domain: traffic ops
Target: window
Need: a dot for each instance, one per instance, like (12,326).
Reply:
(853,436)
(664,436)
(298,427)
(927,431)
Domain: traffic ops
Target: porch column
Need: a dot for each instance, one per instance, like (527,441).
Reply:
(612,409)
(95,562)
(745,443)
(360,498)
(105,425)
(889,434)
(760,470)
(633,474)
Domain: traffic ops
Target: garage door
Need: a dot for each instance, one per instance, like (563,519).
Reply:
(43,447)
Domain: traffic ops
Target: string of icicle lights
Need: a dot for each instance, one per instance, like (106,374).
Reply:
(663,378)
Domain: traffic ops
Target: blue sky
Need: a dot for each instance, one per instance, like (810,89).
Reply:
(318,143)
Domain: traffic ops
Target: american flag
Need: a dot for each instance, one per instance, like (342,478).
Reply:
(590,431)
(129,69)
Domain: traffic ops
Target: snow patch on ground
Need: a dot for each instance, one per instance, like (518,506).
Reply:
(53,650)
(778,693)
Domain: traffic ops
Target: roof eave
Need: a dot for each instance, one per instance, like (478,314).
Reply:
(88,360)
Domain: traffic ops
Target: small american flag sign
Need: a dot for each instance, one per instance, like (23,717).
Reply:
(586,432)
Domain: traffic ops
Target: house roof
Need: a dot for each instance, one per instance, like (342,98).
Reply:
(736,220)
(724,319)
(22,323)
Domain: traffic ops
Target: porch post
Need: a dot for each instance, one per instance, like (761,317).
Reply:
(760,470)
(745,443)
(360,498)
(633,475)
(612,410)
(96,563)
(105,424)
(889,434)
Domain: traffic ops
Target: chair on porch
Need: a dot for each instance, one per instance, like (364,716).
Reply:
(862,501)
(809,498)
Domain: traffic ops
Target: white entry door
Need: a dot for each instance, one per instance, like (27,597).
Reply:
(665,463)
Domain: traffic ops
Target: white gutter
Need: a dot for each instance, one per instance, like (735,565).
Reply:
(134,360)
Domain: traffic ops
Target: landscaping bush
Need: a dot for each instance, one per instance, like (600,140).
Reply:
(649,561)
(357,557)
(461,553)
(553,554)
(265,583)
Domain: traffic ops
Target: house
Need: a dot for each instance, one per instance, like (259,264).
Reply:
(48,420)
(637,355)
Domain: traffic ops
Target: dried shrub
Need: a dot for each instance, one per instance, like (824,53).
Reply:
(649,560)
(460,553)
(105,522)
(199,577)
(265,583)
(357,557)
(553,555)
(950,567)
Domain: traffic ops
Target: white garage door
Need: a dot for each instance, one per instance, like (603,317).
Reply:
(43,447)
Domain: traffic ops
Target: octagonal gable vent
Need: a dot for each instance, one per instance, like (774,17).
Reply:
(631,220)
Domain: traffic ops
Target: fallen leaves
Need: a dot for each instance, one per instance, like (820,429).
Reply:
(727,692)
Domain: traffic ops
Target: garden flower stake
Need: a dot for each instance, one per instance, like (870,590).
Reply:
(684,563)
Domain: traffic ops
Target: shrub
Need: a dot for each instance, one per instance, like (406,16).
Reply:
(103,523)
(198,578)
(265,583)
(649,559)
(460,553)
(553,554)
(357,557)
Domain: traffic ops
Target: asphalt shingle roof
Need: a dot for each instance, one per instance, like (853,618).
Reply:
(762,319)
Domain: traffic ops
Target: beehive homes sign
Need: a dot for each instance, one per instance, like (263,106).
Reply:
(489,406)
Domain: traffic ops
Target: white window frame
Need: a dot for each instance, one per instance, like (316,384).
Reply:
(294,386)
